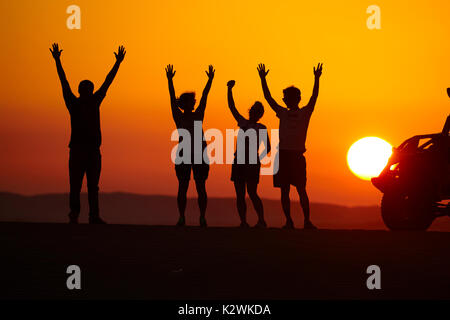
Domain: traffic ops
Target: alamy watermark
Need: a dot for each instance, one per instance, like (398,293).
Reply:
(74,20)
(374,20)
(74,279)
(222,151)
(374,280)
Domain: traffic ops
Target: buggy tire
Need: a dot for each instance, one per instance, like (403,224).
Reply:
(402,212)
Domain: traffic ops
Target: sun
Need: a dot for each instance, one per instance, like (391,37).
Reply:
(368,156)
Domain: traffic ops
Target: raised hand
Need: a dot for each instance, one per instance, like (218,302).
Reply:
(170,72)
(56,53)
(231,83)
(318,70)
(262,70)
(210,72)
(120,55)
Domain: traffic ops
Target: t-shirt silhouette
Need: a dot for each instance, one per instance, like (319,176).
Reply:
(85,119)
(251,151)
(187,121)
(294,127)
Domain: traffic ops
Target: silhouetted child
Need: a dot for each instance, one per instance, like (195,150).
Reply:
(294,123)
(184,116)
(86,137)
(246,167)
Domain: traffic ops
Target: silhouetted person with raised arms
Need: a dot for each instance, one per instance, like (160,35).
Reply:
(185,117)
(86,138)
(246,167)
(294,122)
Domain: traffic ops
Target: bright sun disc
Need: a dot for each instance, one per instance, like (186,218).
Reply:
(368,156)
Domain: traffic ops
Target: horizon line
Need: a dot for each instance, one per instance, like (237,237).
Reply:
(2,192)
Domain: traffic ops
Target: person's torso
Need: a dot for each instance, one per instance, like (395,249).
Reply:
(249,139)
(293,129)
(85,123)
(193,123)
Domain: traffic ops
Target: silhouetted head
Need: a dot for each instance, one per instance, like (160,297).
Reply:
(186,101)
(256,111)
(85,88)
(292,97)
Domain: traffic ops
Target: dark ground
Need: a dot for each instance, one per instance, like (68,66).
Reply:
(161,262)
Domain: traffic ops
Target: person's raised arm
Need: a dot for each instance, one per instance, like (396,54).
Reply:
(120,55)
(56,53)
(202,105)
(170,73)
(271,101)
(315,94)
(231,104)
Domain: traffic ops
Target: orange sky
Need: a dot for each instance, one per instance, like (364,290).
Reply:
(388,83)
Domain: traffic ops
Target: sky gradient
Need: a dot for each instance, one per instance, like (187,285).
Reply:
(388,83)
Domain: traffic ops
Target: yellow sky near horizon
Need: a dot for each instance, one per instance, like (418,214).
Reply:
(388,83)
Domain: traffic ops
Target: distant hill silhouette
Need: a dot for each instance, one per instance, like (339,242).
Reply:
(126,208)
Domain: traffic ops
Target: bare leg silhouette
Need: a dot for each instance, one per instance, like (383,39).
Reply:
(304,202)
(286,204)
(183,186)
(202,200)
(239,186)
(257,203)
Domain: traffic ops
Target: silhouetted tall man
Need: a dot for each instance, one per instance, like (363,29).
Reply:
(294,122)
(185,116)
(86,137)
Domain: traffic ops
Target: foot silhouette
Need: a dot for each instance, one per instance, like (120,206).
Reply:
(96,220)
(261,224)
(289,225)
(181,222)
(73,220)
(309,226)
(244,224)
(203,223)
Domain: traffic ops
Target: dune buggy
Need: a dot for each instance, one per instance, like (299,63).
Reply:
(416,182)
